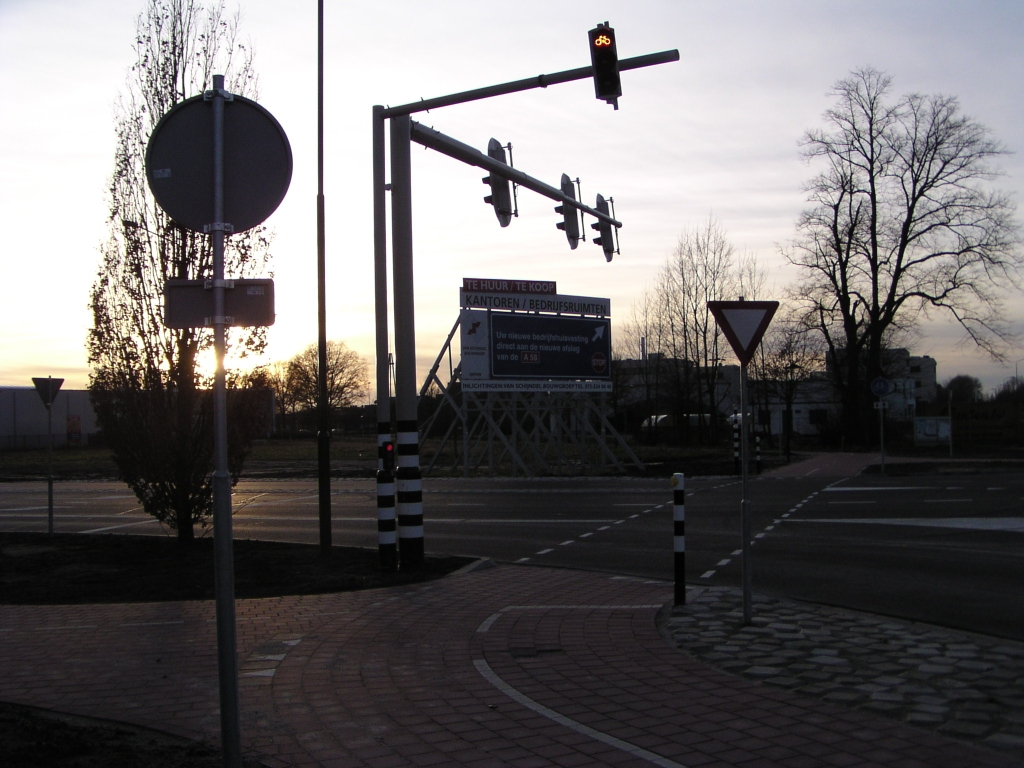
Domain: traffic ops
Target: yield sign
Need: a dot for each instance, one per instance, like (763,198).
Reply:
(47,389)
(743,323)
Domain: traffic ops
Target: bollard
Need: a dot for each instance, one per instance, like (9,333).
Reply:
(679,535)
(736,446)
(386,536)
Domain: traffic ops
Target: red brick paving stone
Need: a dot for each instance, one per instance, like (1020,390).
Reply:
(389,676)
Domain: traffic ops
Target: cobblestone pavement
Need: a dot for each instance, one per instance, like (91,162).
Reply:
(959,684)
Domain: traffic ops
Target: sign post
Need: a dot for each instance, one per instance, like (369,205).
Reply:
(744,324)
(220,163)
(48,389)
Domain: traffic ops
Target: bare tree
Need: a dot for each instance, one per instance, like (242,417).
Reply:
(702,269)
(347,379)
(902,223)
(145,382)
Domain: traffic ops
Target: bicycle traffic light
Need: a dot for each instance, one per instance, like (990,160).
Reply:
(570,222)
(604,229)
(604,57)
(500,197)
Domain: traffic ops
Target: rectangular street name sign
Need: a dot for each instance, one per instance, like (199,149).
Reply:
(564,304)
(189,303)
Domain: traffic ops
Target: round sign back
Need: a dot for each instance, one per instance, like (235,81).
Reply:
(257,163)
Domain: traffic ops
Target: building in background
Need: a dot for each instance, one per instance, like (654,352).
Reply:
(23,418)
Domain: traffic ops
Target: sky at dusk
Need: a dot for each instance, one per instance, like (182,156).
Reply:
(715,134)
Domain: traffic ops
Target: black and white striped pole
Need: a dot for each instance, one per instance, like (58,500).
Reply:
(735,445)
(387,536)
(679,535)
(408,480)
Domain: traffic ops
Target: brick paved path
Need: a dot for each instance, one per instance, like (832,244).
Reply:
(509,666)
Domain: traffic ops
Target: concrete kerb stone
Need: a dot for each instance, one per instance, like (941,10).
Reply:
(956,683)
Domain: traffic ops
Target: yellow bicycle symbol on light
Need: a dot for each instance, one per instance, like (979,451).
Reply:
(602,40)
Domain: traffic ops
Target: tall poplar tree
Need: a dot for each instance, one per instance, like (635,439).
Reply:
(147,386)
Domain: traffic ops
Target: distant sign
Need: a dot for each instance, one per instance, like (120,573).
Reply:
(743,323)
(537,385)
(881,387)
(47,389)
(930,430)
(521,302)
(487,285)
(189,303)
(546,347)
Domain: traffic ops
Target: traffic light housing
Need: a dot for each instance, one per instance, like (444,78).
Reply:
(604,58)
(604,229)
(501,196)
(387,456)
(570,222)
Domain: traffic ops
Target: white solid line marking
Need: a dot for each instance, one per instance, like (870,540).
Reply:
(545,551)
(722,563)
(995,488)
(489,675)
(837,488)
(486,625)
(707,574)
(1011,524)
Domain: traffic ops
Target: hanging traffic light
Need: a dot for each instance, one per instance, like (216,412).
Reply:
(570,222)
(604,229)
(604,57)
(500,197)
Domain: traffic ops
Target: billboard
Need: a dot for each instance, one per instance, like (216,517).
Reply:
(549,347)
(508,351)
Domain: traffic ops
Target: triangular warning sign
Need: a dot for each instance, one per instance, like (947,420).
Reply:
(47,388)
(743,323)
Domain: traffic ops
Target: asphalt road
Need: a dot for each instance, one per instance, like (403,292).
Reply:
(943,549)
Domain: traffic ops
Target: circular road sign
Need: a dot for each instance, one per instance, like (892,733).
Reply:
(257,163)
(881,387)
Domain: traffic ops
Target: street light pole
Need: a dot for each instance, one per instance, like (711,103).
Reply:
(323,406)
